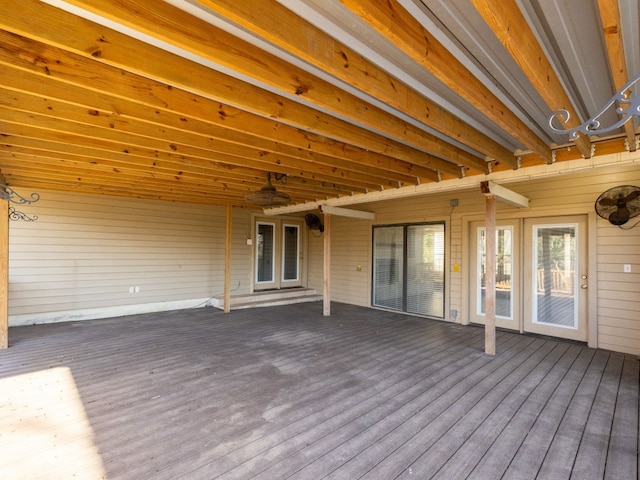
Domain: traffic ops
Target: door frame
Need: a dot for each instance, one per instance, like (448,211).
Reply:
(592,297)
(516,321)
(530,280)
(279,223)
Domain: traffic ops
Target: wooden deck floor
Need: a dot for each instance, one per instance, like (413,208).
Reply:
(283,392)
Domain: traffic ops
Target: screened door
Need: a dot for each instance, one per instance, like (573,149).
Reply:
(556,279)
(408,268)
(278,254)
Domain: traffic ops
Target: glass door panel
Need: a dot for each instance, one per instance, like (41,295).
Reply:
(507,277)
(290,254)
(265,253)
(556,278)
(388,267)
(408,268)
(425,270)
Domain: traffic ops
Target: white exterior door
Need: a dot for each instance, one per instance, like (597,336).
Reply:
(507,274)
(555,277)
(277,254)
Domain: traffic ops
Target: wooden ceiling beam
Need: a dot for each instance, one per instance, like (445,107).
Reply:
(612,29)
(169,195)
(30,149)
(76,79)
(54,26)
(392,21)
(56,129)
(180,142)
(511,28)
(315,47)
(102,108)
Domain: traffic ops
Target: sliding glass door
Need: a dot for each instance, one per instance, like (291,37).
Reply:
(408,268)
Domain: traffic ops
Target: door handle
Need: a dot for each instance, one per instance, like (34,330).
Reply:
(583,286)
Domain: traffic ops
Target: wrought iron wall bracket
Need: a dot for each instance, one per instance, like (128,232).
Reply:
(8,193)
(593,125)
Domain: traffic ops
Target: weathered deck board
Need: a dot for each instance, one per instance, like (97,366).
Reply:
(283,392)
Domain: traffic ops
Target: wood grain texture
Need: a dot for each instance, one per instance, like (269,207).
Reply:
(285,392)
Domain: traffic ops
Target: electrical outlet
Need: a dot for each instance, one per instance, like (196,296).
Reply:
(627,268)
(131,289)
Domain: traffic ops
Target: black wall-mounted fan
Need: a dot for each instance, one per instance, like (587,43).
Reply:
(313,222)
(619,204)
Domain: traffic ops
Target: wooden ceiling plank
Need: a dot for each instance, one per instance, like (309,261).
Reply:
(510,27)
(392,21)
(18,181)
(178,141)
(24,82)
(64,131)
(128,94)
(114,162)
(612,29)
(51,25)
(176,27)
(33,167)
(315,47)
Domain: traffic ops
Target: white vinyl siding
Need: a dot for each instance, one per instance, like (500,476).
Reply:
(87,252)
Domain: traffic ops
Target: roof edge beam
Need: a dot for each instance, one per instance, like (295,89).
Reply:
(346,212)
(504,194)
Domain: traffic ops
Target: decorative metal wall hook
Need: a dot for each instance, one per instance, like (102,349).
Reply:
(15,215)
(593,126)
(8,193)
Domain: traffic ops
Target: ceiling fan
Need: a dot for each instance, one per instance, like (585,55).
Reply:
(619,204)
(268,195)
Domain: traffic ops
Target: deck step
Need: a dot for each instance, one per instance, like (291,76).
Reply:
(269,298)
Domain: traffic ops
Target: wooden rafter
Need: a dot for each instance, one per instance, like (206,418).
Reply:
(312,45)
(612,29)
(208,42)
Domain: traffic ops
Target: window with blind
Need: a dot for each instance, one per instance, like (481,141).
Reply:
(408,268)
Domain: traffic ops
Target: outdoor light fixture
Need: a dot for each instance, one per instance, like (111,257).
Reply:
(268,195)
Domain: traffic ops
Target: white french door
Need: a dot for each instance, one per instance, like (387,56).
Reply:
(277,254)
(507,279)
(555,276)
(541,275)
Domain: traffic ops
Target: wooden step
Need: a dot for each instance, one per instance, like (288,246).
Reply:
(269,298)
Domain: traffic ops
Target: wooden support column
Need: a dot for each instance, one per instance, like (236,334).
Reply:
(490,276)
(4,273)
(227,261)
(326,306)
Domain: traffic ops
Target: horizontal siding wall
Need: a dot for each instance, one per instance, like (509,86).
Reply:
(84,253)
(618,301)
(350,249)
